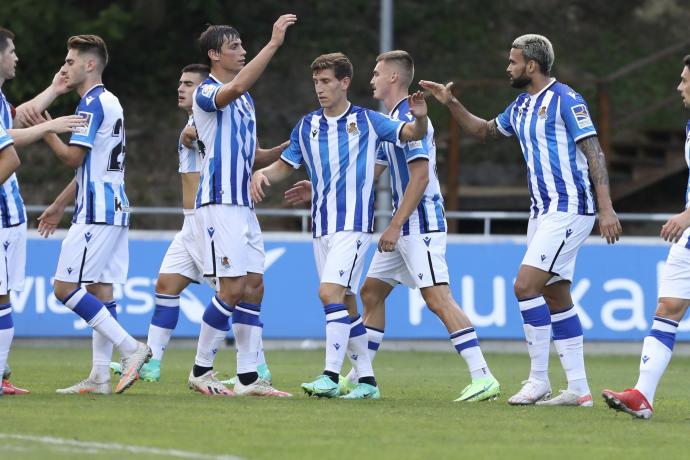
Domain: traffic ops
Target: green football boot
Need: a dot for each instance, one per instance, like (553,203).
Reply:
(263,371)
(484,389)
(116,368)
(363,391)
(346,385)
(151,371)
(322,387)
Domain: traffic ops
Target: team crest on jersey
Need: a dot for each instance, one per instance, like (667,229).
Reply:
(542,112)
(84,130)
(352,129)
(581,116)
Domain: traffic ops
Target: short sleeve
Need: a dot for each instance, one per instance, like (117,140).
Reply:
(93,113)
(5,138)
(576,116)
(385,127)
(381,157)
(415,150)
(503,121)
(205,96)
(292,155)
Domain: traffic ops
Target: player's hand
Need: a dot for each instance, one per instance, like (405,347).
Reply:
(673,229)
(609,225)
(66,124)
(27,115)
(276,151)
(49,220)
(59,84)
(188,135)
(299,193)
(389,238)
(442,93)
(417,104)
(256,187)
(280,27)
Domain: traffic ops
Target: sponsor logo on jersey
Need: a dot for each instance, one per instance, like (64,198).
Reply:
(84,130)
(542,113)
(581,116)
(207,90)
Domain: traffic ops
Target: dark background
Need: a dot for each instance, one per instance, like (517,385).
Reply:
(151,40)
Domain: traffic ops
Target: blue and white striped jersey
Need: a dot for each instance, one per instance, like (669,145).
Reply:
(687,191)
(101,197)
(190,157)
(430,214)
(340,155)
(12,211)
(548,125)
(228,135)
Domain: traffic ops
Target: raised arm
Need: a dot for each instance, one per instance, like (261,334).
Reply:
(41,102)
(417,129)
(609,226)
(31,134)
(477,127)
(246,78)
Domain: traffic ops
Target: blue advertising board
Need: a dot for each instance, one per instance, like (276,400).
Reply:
(614,290)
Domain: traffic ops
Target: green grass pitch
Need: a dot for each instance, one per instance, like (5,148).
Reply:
(416,419)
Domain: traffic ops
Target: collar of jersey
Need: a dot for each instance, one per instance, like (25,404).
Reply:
(396,106)
(338,117)
(551,83)
(92,88)
(215,79)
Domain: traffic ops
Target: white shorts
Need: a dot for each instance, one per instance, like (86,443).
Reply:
(232,241)
(417,261)
(553,240)
(94,254)
(340,258)
(184,255)
(674,281)
(13,267)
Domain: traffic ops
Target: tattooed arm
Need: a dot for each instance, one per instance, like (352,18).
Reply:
(474,125)
(609,226)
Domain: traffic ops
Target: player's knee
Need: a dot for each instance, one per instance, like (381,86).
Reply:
(523,289)
(371,297)
(165,287)
(254,292)
(671,308)
(329,295)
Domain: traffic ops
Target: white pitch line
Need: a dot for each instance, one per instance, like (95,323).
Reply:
(118,447)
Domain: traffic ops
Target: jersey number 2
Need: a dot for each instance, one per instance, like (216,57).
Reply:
(117,154)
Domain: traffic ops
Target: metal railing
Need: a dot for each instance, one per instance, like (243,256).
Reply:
(304,215)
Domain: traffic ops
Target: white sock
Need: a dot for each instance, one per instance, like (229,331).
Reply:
(158,340)
(105,324)
(358,349)
(260,357)
(466,344)
(537,325)
(375,337)
(657,350)
(337,336)
(214,327)
(246,327)
(102,350)
(568,340)
(6,336)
